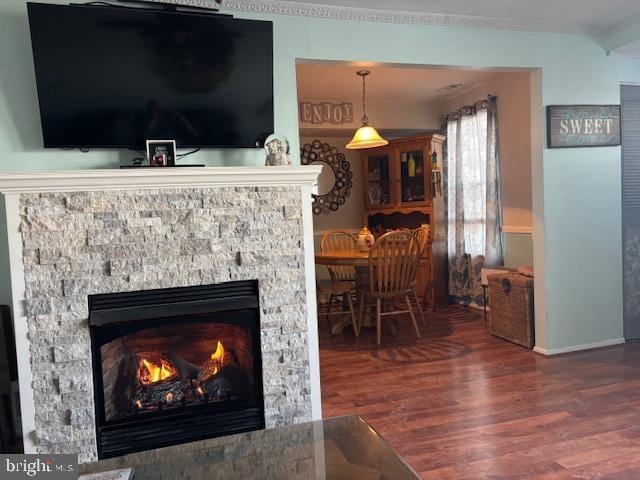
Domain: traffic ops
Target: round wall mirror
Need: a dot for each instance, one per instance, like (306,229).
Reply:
(326,180)
(335,181)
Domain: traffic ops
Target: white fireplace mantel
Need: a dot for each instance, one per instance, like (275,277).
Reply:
(149,178)
(15,184)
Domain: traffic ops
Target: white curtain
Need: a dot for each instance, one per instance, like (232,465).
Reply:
(472,198)
(467,139)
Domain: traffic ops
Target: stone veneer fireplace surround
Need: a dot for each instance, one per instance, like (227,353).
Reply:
(78,233)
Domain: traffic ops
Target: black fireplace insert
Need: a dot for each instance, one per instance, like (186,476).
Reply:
(175,365)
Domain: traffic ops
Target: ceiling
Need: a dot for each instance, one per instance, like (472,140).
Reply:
(412,85)
(631,49)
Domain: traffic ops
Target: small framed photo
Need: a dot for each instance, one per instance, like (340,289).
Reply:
(161,153)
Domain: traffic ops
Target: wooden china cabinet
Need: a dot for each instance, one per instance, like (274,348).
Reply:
(400,193)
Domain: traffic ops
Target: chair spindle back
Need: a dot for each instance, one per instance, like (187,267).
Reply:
(422,234)
(393,262)
(339,241)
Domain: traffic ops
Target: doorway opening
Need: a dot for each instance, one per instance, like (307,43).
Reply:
(405,186)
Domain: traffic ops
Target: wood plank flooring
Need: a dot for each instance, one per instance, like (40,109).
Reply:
(461,404)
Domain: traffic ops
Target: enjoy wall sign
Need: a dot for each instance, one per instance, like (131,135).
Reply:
(583,126)
(318,113)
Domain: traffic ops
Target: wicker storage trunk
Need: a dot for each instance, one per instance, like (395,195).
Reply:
(511,303)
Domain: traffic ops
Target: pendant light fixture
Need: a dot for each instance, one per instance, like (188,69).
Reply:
(366,136)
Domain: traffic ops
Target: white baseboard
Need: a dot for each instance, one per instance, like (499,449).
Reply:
(577,348)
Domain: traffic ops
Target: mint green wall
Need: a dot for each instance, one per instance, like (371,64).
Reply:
(5,279)
(581,294)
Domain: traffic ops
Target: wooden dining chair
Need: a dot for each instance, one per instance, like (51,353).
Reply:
(393,264)
(336,241)
(422,234)
(342,284)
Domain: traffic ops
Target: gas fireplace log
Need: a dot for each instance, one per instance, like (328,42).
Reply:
(167,393)
(230,380)
(150,381)
(185,369)
(218,386)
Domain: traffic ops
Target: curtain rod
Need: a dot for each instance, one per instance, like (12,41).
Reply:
(469,109)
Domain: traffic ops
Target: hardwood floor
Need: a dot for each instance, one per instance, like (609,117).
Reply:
(461,404)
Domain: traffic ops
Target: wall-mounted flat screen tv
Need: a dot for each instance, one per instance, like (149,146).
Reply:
(114,77)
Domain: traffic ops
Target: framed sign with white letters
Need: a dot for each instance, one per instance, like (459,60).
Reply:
(574,126)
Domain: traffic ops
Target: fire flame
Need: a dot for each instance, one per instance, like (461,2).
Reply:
(219,353)
(151,373)
(217,358)
(213,364)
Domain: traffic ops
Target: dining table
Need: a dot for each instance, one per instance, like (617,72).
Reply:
(360,261)
(344,258)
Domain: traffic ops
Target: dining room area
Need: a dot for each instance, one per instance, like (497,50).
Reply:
(410,214)
(420,190)
(394,268)
(382,268)
(385,316)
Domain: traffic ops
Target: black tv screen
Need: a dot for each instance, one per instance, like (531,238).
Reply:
(114,77)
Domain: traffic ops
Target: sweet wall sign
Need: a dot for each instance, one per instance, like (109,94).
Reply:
(571,126)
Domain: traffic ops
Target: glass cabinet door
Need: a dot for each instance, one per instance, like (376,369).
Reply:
(379,180)
(413,171)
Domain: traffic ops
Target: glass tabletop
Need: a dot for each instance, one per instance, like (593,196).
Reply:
(341,448)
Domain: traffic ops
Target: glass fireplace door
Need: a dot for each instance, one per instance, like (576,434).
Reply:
(158,369)
(175,365)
